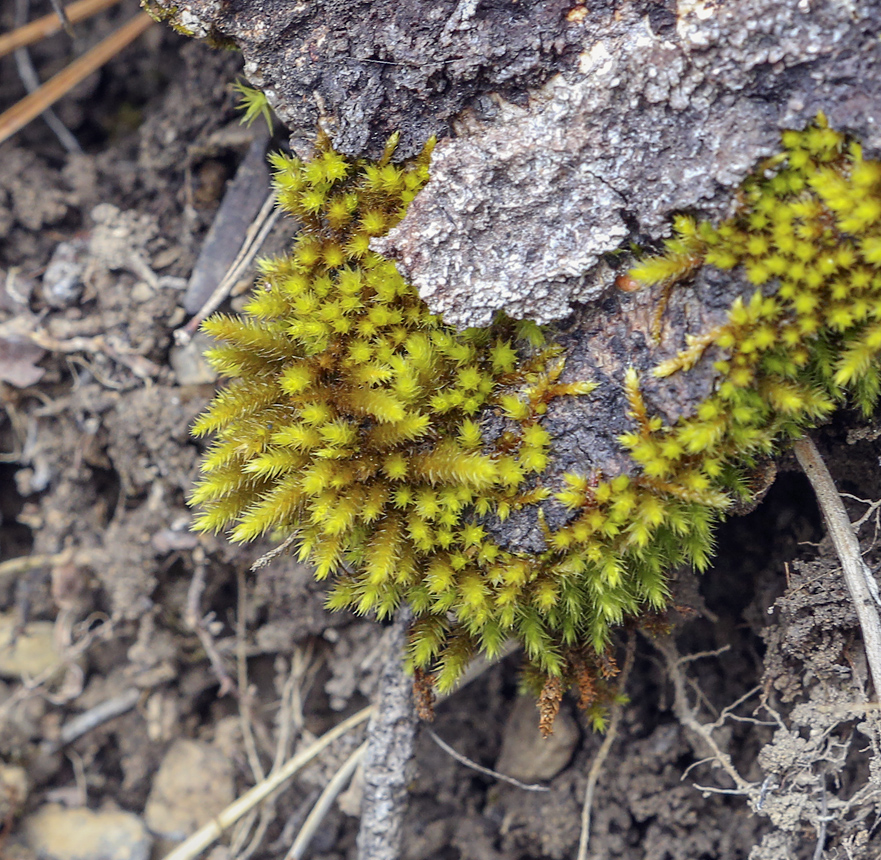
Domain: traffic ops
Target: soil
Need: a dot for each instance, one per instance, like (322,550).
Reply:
(221,672)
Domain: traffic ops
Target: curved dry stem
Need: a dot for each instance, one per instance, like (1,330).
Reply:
(860,584)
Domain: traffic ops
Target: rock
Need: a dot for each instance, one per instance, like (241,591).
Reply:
(56,833)
(29,651)
(189,363)
(193,785)
(63,278)
(13,790)
(525,754)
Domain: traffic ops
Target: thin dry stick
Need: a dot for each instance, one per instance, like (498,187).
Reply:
(484,770)
(31,80)
(323,804)
(856,573)
(255,236)
(596,768)
(37,30)
(199,625)
(31,106)
(687,716)
(202,838)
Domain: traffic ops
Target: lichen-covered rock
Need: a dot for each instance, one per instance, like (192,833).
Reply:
(522,208)
(366,69)
(578,127)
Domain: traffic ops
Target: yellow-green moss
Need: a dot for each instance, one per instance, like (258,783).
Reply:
(808,235)
(353,418)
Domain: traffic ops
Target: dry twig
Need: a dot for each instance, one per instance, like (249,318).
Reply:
(860,583)
(596,767)
(51,23)
(32,105)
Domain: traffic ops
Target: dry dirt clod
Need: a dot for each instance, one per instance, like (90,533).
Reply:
(26,651)
(56,833)
(528,756)
(14,787)
(194,783)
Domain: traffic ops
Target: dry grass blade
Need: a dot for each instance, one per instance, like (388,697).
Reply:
(255,236)
(202,838)
(323,804)
(599,761)
(30,107)
(51,23)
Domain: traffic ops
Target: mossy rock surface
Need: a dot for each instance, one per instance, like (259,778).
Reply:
(464,474)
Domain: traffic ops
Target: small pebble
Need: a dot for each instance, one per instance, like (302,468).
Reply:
(56,833)
(194,784)
(525,754)
(189,363)
(142,292)
(62,280)
(27,651)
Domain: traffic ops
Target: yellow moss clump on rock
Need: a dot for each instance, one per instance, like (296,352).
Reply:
(354,416)
(353,421)
(808,235)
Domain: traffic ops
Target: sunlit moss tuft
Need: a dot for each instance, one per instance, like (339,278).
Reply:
(353,418)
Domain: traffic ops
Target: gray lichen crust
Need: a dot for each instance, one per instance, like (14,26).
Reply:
(521,209)
(580,127)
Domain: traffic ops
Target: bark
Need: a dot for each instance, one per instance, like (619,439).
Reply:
(388,762)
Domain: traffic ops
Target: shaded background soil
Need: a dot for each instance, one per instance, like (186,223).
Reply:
(209,675)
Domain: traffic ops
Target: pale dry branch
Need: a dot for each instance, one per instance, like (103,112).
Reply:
(391,737)
(860,583)
(32,105)
(191,847)
(331,791)
(599,761)
(51,23)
